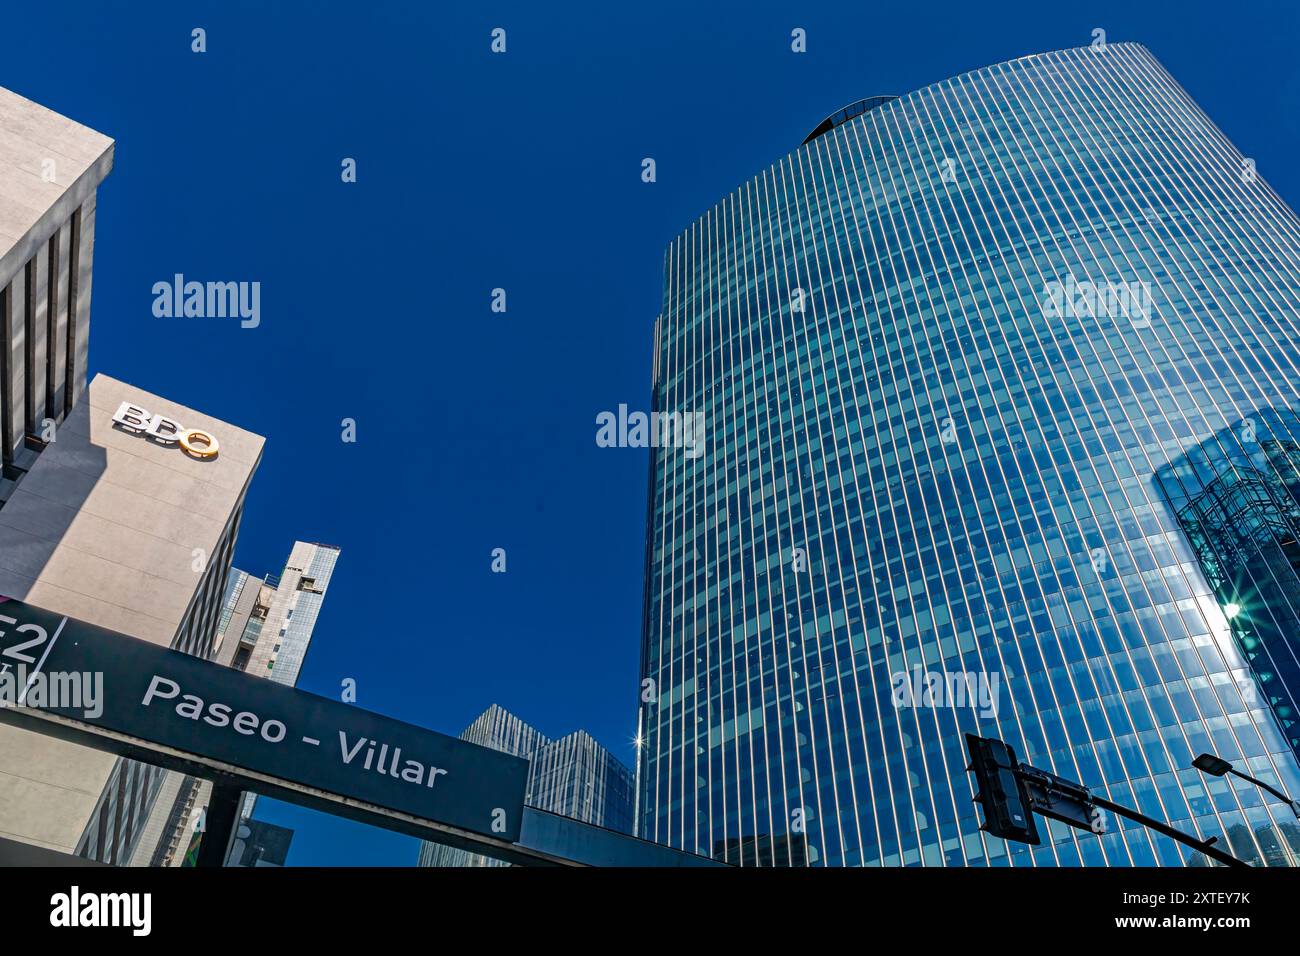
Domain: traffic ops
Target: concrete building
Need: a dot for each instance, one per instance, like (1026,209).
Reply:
(107,512)
(115,528)
(243,615)
(50,170)
(573,776)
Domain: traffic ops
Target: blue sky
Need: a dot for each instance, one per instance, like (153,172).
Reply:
(477,171)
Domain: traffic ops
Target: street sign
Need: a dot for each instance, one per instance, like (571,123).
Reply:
(96,678)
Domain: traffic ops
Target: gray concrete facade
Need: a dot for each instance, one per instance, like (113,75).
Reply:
(50,171)
(114,528)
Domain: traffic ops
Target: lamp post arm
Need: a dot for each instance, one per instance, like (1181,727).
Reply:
(1262,785)
(1293,804)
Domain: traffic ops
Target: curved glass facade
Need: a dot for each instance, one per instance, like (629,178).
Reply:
(942,353)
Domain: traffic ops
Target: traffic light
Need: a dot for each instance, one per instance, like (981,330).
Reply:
(1001,793)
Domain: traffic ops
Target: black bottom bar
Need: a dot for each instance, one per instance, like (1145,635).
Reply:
(969,908)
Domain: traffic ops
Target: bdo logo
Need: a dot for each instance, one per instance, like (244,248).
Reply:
(168,431)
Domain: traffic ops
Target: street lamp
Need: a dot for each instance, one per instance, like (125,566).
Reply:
(1217,767)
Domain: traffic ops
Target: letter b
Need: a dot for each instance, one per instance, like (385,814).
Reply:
(131,416)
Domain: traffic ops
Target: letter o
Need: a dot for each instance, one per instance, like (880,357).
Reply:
(266,727)
(198,444)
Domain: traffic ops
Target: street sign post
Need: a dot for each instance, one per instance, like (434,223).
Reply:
(95,687)
(194,707)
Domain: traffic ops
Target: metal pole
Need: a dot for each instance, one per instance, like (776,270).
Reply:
(636,783)
(222,822)
(1293,804)
(1204,846)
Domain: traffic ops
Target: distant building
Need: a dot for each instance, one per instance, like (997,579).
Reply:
(573,776)
(265,628)
(244,610)
(259,843)
(285,634)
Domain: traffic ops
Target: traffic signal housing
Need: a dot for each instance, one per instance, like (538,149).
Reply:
(1000,791)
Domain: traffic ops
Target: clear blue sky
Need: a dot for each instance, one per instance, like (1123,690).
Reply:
(476,171)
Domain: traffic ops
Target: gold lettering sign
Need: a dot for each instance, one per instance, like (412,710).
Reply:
(193,441)
(200,444)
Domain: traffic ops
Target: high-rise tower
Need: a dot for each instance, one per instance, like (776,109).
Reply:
(942,350)
(50,171)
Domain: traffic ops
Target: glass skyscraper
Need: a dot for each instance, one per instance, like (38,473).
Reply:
(573,776)
(1237,497)
(944,350)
